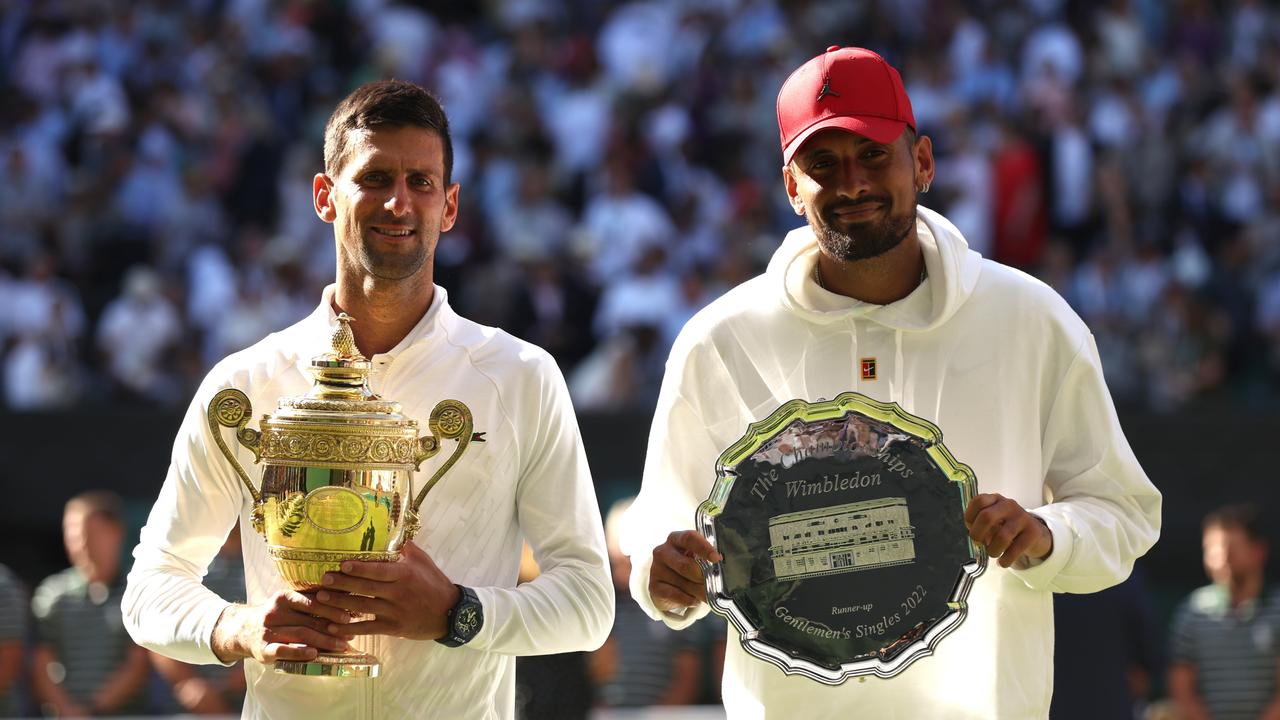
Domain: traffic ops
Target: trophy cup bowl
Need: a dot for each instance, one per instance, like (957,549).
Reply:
(338,477)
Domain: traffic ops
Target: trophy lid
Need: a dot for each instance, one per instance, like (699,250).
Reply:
(341,392)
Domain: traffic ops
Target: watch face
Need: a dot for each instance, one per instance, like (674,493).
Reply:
(467,621)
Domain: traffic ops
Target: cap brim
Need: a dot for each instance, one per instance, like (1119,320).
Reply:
(881,130)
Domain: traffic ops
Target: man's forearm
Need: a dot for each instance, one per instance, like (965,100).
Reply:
(227,640)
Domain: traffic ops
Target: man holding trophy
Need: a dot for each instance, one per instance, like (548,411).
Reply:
(802,417)
(396,593)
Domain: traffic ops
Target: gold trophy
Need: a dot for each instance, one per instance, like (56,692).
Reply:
(338,468)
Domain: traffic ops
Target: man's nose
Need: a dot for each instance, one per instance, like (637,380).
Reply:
(853,180)
(398,198)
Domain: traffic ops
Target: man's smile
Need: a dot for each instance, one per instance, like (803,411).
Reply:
(392,231)
(856,211)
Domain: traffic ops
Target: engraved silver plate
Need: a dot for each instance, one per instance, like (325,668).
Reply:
(841,524)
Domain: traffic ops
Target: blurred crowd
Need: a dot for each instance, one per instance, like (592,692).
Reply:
(620,168)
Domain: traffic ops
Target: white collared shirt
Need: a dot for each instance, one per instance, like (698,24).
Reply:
(528,481)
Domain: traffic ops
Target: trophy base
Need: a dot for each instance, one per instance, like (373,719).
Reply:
(332,665)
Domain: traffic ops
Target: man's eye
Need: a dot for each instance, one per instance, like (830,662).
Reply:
(373,178)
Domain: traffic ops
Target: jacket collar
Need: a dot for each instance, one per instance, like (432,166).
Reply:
(318,327)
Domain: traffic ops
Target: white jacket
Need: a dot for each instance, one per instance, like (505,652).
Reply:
(528,481)
(1010,374)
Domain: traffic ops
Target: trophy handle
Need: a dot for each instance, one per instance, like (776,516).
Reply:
(231,408)
(450,420)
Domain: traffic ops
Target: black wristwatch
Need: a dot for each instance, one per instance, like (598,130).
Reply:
(464,620)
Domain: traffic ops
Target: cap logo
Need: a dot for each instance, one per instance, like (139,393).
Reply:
(826,89)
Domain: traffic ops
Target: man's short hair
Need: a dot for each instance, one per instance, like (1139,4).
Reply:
(1242,516)
(384,103)
(98,502)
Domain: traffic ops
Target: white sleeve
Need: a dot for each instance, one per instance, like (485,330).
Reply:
(1103,511)
(679,471)
(166,608)
(569,606)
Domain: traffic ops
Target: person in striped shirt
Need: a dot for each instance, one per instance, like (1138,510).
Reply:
(84,662)
(1226,635)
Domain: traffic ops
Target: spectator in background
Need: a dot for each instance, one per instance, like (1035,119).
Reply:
(621,223)
(84,661)
(13,637)
(45,322)
(1021,216)
(1226,635)
(623,372)
(642,663)
(556,307)
(1105,652)
(136,332)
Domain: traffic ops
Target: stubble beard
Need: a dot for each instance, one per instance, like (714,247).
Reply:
(394,265)
(861,241)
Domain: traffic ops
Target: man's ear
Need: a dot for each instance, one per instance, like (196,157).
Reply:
(923,152)
(793,196)
(322,197)
(450,214)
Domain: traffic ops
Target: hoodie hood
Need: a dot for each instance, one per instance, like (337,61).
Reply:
(952,268)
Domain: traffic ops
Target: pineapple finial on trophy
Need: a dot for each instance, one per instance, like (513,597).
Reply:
(344,341)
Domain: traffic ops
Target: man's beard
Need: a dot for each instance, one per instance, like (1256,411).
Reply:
(392,265)
(862,240)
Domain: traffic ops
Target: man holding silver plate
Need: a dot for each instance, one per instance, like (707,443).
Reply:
(380,591)
(842,443)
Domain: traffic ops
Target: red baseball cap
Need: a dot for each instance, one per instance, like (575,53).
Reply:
(852,89)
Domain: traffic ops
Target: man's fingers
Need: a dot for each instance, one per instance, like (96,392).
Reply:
(1018,547)
(1005,529)
(288,651)
(1002,537)
(354,603)
(352,584)
(694,588)
(978,504)
(306,604)
(691,542)
(676,579)
(678,563)
(377,626)
(304,636)
(669,597)
(303,610)
(377,571)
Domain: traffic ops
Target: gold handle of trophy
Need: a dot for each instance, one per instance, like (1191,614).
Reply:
(450,420)
(231,408)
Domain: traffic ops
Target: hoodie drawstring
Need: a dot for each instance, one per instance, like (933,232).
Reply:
(897,388)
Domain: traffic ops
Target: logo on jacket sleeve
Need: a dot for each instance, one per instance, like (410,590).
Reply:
(869,368)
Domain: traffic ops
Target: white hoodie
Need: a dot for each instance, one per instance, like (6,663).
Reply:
(1010,374)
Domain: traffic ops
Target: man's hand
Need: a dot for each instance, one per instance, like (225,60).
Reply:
(676,580)
(288,626)
(408,598)
(1007,530)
